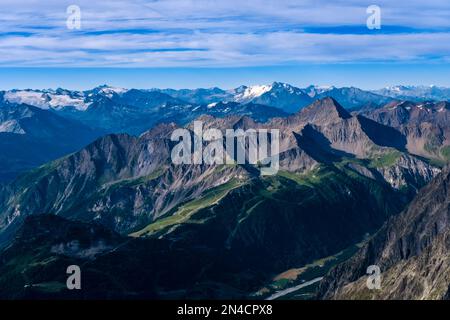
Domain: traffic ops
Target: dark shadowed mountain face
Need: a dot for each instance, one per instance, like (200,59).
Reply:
(225,244)
(30,136)
(426,126)
(412,251)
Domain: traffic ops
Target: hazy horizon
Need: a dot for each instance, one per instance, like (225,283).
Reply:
(87,78)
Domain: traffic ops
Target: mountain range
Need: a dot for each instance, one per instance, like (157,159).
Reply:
(362,181)
(106,109)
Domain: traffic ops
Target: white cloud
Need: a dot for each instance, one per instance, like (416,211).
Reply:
(216,33)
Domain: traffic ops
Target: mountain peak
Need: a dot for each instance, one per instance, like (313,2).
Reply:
(246,94)
(109,90)
(315,90)
(325,109)
(277,84)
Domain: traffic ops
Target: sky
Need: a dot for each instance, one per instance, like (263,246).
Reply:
(206,43)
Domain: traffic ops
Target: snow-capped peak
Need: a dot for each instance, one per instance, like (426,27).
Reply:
(314,90)
(11,126)
(46,99)
(60,98)
(247,94)
(109,91)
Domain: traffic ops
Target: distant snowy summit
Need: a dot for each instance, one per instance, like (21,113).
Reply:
(59,98)
(279,95)
(423,93)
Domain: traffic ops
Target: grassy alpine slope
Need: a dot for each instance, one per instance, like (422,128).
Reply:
(230,241)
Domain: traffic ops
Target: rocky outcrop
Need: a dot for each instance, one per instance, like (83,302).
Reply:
(412,251)
(426,126)
(297,160)
(225,249)
(408,171)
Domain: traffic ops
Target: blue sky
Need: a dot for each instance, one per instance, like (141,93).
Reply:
(204,43)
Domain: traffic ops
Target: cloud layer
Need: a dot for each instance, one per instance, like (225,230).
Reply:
(210,33)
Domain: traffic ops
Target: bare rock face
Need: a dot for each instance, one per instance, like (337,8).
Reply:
(297,160)
(408,171)
(121,181)
(353,135)
(426,126)
(412,250)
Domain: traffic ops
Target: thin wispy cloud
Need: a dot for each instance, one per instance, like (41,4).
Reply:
(210,33)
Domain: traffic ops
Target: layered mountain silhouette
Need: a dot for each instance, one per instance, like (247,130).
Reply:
(117,202)
(127,184)
(106,109)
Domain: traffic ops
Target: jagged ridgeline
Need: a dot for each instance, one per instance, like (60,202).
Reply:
(141,226)
(37,126)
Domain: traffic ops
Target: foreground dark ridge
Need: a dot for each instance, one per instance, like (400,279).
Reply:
(412,250)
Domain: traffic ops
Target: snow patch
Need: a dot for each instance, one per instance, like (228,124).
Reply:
(11,126)
(109,91)
(33,98)
(314,90)
(45,100)
(252,92)
(61,101)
